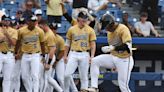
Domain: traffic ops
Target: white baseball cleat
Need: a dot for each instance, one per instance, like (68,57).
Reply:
(93,90)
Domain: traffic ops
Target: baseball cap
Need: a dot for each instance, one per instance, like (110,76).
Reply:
(19,12)
(83,15)
(13,23)
(38,12)
(107,21)
(6,17)
(33,18)
(21,21)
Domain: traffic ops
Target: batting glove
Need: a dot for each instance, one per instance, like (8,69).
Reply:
(107,49)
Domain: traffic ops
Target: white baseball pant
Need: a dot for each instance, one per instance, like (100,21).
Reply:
(123,66)
(80,60)
(41,77)
(50,88)
(15,86)
(30,64)
(7,62)
(60,71)
(49,80)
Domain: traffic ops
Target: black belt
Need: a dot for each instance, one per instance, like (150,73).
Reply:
(80,51)
(33,53)
(6,52)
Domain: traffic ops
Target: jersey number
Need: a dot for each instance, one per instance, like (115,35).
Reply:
(83,44)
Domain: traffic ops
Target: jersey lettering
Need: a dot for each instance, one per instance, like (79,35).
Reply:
(31,39)
(80,37)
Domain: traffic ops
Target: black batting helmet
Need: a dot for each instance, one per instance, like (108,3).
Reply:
(107,21)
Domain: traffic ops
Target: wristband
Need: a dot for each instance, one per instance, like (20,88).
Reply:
(57,59)
(16,53)
(43,55)
(49,61)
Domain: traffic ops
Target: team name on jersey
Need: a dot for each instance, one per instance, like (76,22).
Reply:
(33,38)
(80,37)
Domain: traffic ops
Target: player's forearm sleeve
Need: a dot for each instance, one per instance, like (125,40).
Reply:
(123,47)
(68,43)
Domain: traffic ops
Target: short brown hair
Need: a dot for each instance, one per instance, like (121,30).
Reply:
(144,14)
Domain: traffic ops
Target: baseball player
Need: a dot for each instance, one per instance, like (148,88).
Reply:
(120,57)
(80,39)
(8,38)
(59,65)
(73,21)
(50,48)
(17,67)
(31,40)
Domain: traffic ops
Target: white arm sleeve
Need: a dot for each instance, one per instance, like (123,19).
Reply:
(68,43)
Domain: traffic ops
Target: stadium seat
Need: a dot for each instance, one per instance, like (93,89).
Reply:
(11,5)
(64,27)
(113,6)
(101,12)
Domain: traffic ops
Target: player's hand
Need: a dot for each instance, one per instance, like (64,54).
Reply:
(47,66)
(157,35)
(43,60)
(90,60)
(65,59)
(55,63)
(107,49)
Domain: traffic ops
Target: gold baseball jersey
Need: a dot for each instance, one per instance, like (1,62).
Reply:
(73,22)
(50,41)
(81,38)
(4,44)
(119,36)
(59,44)
(30,40)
